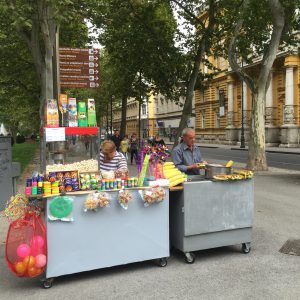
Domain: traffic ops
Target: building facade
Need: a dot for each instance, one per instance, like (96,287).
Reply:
(219,107)
(158,115)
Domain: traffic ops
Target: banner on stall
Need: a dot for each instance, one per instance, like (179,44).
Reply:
(72,109)
(91,113)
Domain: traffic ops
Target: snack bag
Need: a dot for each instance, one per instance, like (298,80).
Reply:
(154,195)
(26,246)
(159,194)
(124,197)
(148,197)
(103,199)
(91,202)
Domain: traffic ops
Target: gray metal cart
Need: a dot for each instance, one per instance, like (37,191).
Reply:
(108,237)
(207,214)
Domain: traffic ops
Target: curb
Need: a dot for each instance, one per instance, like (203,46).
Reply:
(269,151)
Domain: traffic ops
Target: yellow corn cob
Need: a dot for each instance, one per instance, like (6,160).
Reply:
(170,175)
(176,177)
(171,171)
(169,167)
(169,163)
(176,182)
(229,164)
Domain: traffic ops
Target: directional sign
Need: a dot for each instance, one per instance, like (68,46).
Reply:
(79,67)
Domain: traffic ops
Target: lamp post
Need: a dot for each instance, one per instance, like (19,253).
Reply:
(243,128)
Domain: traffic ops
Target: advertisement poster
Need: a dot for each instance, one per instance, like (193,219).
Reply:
(51,113)
(91,113)
(72,109)
(63,108)
(82,117)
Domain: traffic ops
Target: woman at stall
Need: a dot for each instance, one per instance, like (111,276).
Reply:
(158,141)
(112,160)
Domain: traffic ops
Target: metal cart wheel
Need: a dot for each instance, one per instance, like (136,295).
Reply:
(246,247)
(163,262)
(189,257)
(47,283)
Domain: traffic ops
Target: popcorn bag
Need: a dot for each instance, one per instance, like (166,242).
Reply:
(26,246)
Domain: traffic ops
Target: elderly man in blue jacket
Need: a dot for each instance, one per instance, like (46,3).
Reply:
(186,155)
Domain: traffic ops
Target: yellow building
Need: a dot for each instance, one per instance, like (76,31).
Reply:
(219,107)
(158,115)
(132,117)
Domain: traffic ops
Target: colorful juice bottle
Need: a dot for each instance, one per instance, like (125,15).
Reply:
(111,184)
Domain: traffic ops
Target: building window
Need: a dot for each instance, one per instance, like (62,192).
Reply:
(202,93)
(203,119)
(144,112)
(217,94)
(217,120)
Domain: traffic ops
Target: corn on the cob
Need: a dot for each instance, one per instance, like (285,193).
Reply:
(178,181)
(169,176)
(169,163)
(229,164)
(174,178)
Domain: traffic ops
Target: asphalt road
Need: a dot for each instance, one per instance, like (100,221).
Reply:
(276,160)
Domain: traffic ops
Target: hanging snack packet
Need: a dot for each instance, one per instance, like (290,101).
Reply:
(91,202)
(124,197)
(159,194)
(148,197)
(103,199)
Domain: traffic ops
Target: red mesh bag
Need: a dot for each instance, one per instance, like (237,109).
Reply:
(26,246)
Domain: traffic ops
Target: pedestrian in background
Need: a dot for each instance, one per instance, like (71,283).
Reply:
(124,146)
(86,141)
(133,143)
(116,139)
(158,141)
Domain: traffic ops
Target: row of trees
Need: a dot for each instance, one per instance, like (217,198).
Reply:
(236,30)
(155,45)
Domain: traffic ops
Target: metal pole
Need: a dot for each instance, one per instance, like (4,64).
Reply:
(243,128)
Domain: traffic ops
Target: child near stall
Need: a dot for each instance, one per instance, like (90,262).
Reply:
(124,146)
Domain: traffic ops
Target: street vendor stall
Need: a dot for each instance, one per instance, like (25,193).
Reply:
(207,214)
(108,237)
(99,234)
(77,215)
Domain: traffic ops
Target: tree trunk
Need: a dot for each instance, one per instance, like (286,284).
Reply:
(203,45)
(257,154)
(123,116)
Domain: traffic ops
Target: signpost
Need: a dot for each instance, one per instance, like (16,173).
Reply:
(79,67)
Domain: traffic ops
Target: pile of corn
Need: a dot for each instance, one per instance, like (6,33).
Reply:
(173,174)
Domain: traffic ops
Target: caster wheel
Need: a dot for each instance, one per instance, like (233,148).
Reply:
(47,283)
(246,248)
(162,262)
(189,258)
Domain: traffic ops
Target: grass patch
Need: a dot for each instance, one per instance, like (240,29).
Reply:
(23,153)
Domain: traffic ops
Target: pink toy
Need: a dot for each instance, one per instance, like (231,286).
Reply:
(23,250)
(40,261)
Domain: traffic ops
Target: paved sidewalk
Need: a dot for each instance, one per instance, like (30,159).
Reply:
(235,147)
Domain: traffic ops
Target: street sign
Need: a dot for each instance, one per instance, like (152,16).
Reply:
(79,67)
